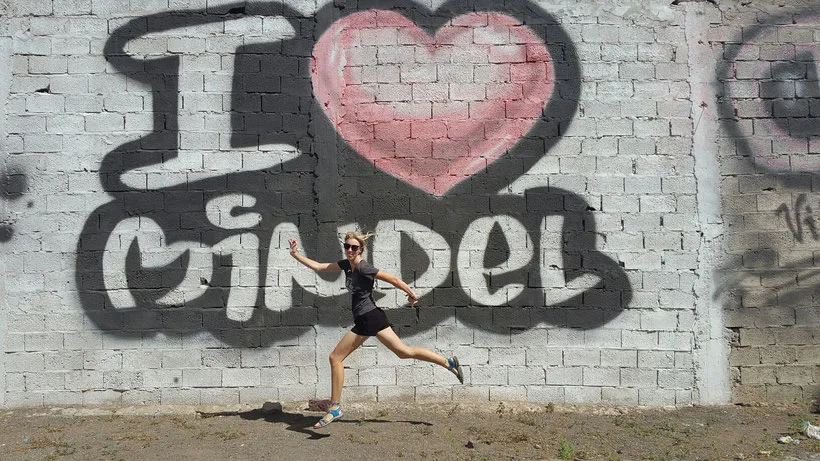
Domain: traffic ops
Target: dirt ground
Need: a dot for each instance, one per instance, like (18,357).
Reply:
(495,431)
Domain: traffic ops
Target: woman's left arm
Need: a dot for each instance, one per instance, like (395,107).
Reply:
(398,283)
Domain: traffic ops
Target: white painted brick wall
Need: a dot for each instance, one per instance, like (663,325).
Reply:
(628,154)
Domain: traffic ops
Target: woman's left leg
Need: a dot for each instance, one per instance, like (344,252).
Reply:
(389,338)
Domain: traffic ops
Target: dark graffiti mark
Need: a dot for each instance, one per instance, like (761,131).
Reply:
(770,94)
(208,252)
(768,284)
(801,214)
(13,184)
(796,82)
(769,99)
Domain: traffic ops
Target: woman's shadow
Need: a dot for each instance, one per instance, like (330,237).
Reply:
(272,412)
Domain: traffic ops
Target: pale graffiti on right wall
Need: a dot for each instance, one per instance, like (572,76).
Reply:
(769,97)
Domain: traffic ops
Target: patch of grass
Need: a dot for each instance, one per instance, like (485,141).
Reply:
(796,426)
(424,430)
(36,444)
(667,426)
(353,439)
(181,422)
(529,419)
(229,435)
(135,438)
(518,438)
(566,450)
(382,413)
(455,448)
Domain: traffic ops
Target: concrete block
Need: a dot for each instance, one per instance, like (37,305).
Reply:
(25,362)
(679,341)
(63,360)
(430,394)
(377,376)
(784,394)
(282,376)
(638,377)
(657,397)
(121,380)
(83,380)
(564,376)
(659,320)
(488,375)
(573,357)
(102,397)
(771,355)
(219,396)
(531,375)
(221,358)
(601,376)
(204,377)
(241,377)
(102,360)
(62,398)
(15,342)
(675,379)
(258,395)
(159,378)
(544,356)
(602,338)
(639,339)
(179,396)
(794,374)
(508,393)
(619,396)
(47,65)
(585,395)
(500,356)
(494,338)
(656,359)
(414,375)
(545,394)
(758,375)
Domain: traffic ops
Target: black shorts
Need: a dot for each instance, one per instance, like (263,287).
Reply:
(370,323)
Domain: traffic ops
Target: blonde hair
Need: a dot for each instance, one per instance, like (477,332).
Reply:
(359,238)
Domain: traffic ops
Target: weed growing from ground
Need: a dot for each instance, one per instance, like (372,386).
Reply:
(566,450)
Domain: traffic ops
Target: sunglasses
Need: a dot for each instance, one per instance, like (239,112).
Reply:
(349,247)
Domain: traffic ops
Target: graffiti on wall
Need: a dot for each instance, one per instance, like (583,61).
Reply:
(801,219)
(407,122)
(770,110)
(13,184)
(771,94)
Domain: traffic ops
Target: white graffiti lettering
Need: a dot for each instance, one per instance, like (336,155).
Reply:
(283,271)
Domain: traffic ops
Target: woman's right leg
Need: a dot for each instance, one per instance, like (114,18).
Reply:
(349,343)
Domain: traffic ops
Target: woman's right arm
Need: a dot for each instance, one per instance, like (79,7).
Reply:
(315,265)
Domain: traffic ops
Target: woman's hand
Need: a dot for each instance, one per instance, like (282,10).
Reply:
(412,299)
(294,247)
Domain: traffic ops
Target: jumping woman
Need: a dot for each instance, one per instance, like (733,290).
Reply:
(368,319)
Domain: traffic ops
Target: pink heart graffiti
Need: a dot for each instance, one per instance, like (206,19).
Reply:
(431,111)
